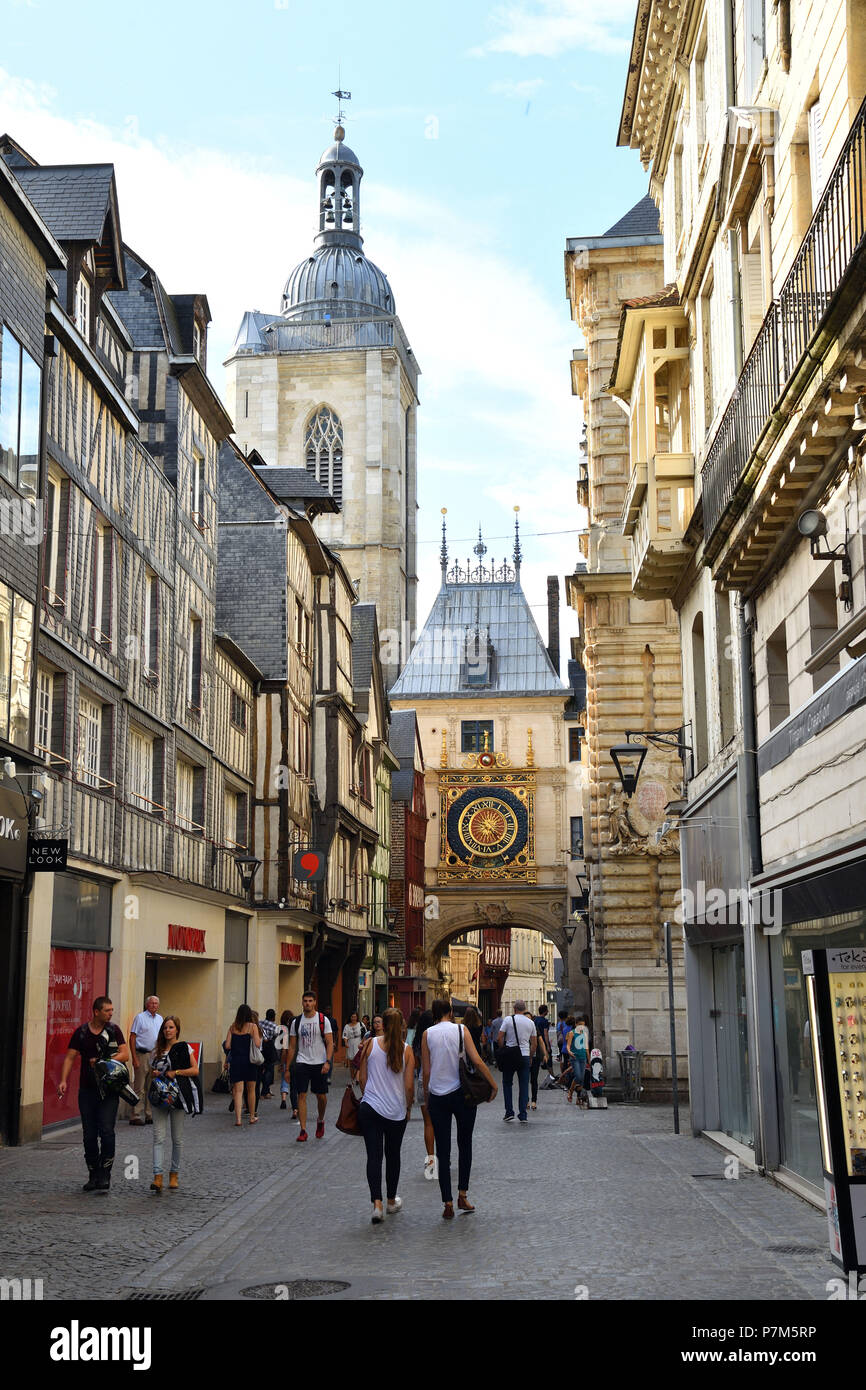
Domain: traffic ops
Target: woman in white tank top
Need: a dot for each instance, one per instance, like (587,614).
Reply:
(387,1077)
(440,1060)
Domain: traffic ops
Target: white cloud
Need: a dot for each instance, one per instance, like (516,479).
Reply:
(518,91)
(545,28)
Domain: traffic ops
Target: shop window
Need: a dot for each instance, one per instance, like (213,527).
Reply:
(476,735)
(699,683)
(577,837)
(575,742)
(20,399)
(823,622)
(778,686)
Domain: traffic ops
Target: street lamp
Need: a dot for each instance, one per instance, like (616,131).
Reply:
(391,914)
(628,757)
(247,866)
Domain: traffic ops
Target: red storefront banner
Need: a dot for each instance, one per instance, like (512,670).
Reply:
(75,979)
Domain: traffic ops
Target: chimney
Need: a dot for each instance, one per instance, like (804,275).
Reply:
(553,620)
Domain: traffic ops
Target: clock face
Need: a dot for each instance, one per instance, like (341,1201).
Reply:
(487,827)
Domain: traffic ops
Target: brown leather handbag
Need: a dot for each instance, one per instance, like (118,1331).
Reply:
(348,1119)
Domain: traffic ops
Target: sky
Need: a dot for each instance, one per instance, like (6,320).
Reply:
(487,133)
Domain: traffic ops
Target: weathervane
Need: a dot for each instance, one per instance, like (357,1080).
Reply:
(341,97)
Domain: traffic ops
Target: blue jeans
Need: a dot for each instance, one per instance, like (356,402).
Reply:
(522,1071)
(162,1117)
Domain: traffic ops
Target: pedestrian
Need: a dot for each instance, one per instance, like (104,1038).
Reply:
(564,1024)
(244,1073)
(475,1028)
(431,1166)
(577,1043)
(366,1022)
(542,1025)
(538,1059)
(268,1029)
(494,1030)
(173,1060)
(411,1025)
(353,1035)
(387,1078)
(519,1041)
(440,1051)
(287,1073)
(311,1050)
(98,1038)
(377,1028)
(142,1041)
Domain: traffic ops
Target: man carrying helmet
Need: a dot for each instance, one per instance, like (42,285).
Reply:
(98,1040)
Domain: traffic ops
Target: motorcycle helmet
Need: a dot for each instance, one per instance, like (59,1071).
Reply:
(165,1093)
(112,1079)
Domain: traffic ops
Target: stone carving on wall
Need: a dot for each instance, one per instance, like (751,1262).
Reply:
(494,914)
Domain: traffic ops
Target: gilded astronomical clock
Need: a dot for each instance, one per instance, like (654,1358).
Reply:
(487,820)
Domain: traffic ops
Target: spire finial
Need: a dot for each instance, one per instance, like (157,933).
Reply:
(518,555)
(443,553)
(480,549)
(341,97)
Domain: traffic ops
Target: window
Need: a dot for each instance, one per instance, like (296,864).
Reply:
(823,622)
(365,779)
(82,307)
(709,341)
(301,744)
(93,764)
(575,738)
(20,401)
(139,785)
(476,736)
(102,593)
(57,530)
(701,95)
(196,342)
(577,837)
(238,710)
(197,491)
(235,819)
(817,175)
(16,666)
(151,627)
(755,43)
(576,905)
(193,685)
(323,450)
(725,666)
(778,686)
(753,298)
(44,707)
(699,683)
(189,796)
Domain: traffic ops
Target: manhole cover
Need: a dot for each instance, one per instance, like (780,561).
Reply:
(296,1288)
(796,1249)
(175,1295)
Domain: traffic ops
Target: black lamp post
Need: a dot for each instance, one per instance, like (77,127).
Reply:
(628,757)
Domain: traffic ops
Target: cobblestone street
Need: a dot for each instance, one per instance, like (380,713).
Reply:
(610,1200)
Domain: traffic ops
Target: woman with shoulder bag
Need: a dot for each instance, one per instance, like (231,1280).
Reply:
(243,1043)
(173,1061)
(387,1078)
(440,1053)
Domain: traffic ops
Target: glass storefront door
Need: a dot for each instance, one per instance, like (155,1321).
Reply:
(732,1044)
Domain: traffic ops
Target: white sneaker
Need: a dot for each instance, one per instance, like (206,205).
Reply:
(431,1167)
(393,1207)
(378,1215)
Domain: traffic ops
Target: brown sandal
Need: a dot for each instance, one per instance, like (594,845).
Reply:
(448,1213)
(464,1204)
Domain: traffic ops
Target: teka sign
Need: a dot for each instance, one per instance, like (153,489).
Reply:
(185,939)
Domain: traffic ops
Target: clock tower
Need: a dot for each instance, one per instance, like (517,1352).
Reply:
(490,709)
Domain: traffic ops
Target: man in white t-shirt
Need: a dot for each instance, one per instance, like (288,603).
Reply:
(352,1036)
(143,1033)
(518,1031)
(311,1048)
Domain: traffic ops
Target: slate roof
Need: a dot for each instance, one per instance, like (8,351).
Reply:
(296,487)
(74,199)
(402,744)
(641,220)
(363,639)
(521,665)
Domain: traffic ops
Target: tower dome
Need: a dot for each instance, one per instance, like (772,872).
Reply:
(337,279)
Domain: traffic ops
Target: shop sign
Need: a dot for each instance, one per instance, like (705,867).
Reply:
(363,979)
(185,939)
(290,952)
(13,832)
(46,856)
(416,895)
(496,955)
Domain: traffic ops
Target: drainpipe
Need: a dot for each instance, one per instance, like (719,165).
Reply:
(746,616)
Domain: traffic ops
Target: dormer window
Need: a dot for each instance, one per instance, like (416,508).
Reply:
(82,307)
(196,342)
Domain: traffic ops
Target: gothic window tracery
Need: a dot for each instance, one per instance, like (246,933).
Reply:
(323,450)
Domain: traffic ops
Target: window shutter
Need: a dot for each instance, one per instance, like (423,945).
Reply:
(58,715)
(752,290)
(816,153)
(108,560)
(62,541)
(198,796)
(153,633)
(158,788)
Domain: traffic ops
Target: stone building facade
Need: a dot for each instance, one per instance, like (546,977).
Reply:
(629,646)
(751,122)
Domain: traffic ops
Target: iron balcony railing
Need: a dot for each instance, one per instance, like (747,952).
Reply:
(828,252)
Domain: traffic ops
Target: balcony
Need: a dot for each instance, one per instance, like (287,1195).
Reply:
(656,513)
(799,327)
